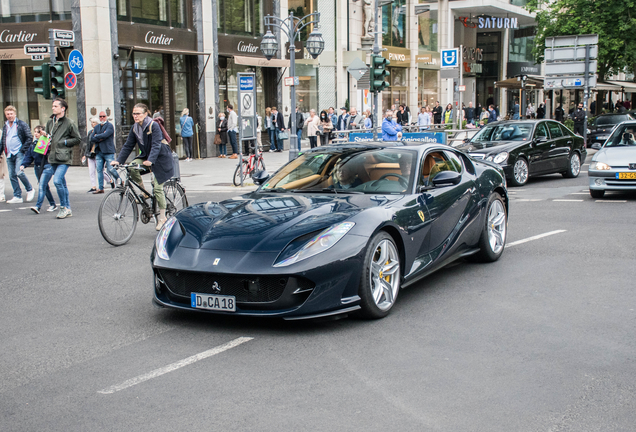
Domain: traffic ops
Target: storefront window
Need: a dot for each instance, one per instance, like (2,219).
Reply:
(427,88)
(142,82)
(172,13)
(393,24)
(180,89)
(307,91)
(228,88)
(300,9)
(427,31)
(16,11)
(396,93)
(240,17)
(521,44)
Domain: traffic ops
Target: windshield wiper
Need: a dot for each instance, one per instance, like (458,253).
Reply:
(278,189)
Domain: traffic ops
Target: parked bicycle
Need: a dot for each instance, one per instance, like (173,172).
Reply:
(118,212)
(250,165)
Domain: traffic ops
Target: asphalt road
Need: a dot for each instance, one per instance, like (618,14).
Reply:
(542,340)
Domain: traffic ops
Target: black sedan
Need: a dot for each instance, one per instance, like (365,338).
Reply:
(529,148)
(601,128)
(337,230)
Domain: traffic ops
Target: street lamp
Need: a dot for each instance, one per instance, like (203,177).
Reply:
(292,27)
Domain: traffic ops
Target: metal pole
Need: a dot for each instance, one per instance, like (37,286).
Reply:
(522,104)
(52,47)
(460,113)
(293,148)
(376,51)
(240,127)
(587,92)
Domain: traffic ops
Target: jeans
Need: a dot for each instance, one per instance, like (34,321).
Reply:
(299,134)
(223,149)
(14,162)
(57,172)
(273,138)
(187,146)
(232,136)
(49,196)
(324,139)
(100,158)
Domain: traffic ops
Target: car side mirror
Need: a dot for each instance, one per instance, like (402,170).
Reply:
(539,140)
(260,177)
(447,178)
(596,146)
(466,140)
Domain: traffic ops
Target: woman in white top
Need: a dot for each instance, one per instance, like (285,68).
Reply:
(312,127)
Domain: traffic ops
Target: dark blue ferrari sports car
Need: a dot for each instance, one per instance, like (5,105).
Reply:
(339,229)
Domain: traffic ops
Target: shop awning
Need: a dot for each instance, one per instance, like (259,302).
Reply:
(260,61)
(534,82)
(164,51)
(628,86)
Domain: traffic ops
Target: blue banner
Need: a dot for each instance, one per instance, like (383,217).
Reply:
(408,137)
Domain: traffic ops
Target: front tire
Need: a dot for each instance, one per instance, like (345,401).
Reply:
(117,217)
(574,166)
(520,173)
(597,193)
(493,236)
(380,281)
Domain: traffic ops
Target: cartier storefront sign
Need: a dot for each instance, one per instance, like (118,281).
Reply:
(16,35)
(156,37)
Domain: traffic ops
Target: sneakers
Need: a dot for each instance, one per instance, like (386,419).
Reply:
(271,150)
(91,190)
(15,200)
(3,199)
(52,208)
(35,210)
(30,195)
(64,213)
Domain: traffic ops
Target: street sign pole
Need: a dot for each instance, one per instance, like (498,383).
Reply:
(460,111)
(52,46)
(586,93)
(376,51)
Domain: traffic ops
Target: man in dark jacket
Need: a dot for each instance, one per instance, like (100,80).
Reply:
(437,113)
(279,125)
(493,114)
(104,143)
(300,121)
(64,136)
(559,114)
(147,135)
(579,118)
(16,139)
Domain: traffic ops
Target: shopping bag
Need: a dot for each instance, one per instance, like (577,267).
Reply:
(42,146)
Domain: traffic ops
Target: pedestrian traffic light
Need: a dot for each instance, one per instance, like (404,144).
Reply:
(379,73)
(43,83)
(56,72)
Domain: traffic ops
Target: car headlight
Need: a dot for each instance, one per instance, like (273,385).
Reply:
(162,238)
(320,243)
(489,158)
(500,157)
(599,166)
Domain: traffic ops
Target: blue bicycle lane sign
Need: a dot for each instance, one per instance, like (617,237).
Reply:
(76,62)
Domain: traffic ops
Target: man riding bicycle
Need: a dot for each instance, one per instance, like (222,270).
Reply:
(147,135)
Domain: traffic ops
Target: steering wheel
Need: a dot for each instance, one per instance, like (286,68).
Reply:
(401,179)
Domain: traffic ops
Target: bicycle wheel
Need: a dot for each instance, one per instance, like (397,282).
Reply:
(260,165)
(175,197)
(117,217)
(237,175)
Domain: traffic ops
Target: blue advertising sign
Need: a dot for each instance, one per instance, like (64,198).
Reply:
(246,83)
(409,137)
(450,58)
(76,62)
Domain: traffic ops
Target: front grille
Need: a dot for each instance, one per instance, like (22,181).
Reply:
(616,182)
(246,289)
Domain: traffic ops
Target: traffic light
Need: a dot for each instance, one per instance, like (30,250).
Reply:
(378,73)
(44,81)
(57,80)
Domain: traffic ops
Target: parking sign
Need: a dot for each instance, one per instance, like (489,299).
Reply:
(450,58)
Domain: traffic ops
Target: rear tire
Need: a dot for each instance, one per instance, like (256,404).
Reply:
(175,197)
(380,281)
(117,217)
(520,173)
(574,166)
(493,236)
(597,193)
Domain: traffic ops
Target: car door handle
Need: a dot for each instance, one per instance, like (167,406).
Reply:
(569,142)
(553,145)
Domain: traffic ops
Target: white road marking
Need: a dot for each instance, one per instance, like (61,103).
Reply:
(567,200)
(527,200)
(174,366)
(612,201)
(23,208)
(580,193)
(537,237)
(5,210)
(582,171)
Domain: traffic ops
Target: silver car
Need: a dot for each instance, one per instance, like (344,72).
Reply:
(613,167)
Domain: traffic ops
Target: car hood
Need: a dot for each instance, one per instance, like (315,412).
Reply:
(267,222)
(616,156)
(488,147)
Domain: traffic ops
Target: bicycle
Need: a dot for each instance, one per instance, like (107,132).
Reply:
(118,211)
(250,165)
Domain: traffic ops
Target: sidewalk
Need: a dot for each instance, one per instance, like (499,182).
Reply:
(209,175)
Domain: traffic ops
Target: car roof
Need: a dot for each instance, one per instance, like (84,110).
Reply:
(382,144)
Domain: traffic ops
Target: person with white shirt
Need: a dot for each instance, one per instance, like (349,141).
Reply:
(232,130)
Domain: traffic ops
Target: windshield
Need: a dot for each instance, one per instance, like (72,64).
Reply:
(611,120)
(622,136)
(338,170)
(506,132)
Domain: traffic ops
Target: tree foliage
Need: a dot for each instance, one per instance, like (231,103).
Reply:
(613,20)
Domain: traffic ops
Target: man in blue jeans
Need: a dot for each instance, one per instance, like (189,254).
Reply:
(16,139)
(104,150)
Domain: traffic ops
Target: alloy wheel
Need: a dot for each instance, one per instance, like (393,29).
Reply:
(385,274)
(575,165)
(521,171)
(496,226)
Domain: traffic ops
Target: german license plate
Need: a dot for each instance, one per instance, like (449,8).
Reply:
(213,302)
(626,176)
